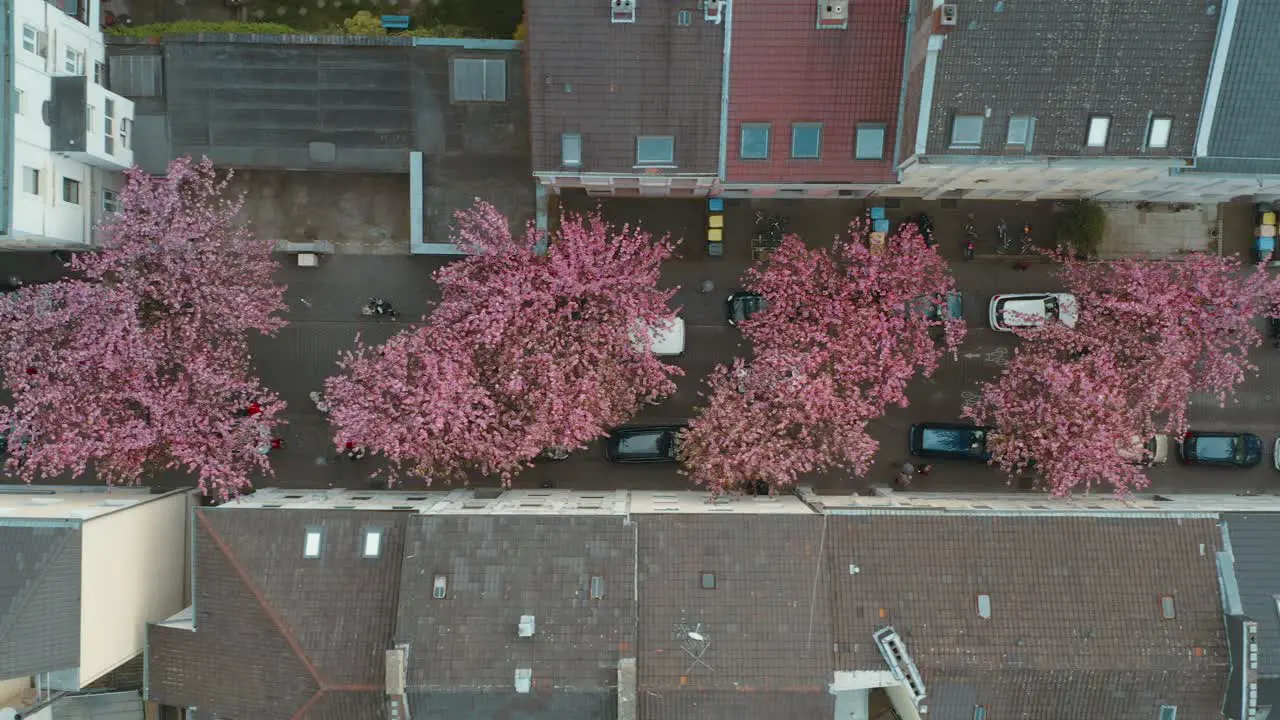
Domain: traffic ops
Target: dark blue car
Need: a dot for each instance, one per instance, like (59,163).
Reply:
(1221,449)
(956,441)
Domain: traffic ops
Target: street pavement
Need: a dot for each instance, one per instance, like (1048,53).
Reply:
(325,319)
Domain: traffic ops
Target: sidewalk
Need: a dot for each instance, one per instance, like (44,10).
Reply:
(1158,231)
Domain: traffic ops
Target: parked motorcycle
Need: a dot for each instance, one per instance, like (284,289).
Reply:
(925,223)
(968,248)
(970,238)
(379,306)
(1002,237)
(1028,246)
(1274,324)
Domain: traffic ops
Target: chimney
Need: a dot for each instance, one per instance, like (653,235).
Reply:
(397,706)
(627,689)
(945,17)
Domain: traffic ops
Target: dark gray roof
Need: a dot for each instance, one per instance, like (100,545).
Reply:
(99,706)
(1064,61)
(261,102)
(499,568)
(511,705)
(39,597)
(1075,628)
(612,82)
(736,705)
(1255,540)
(1246,123)
(767,621)
(279,632)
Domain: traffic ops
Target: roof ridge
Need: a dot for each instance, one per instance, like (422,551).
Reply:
(275,618)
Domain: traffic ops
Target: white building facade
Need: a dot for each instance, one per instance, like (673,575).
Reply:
(66,138)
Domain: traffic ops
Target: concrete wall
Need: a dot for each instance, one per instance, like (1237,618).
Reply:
(134,564)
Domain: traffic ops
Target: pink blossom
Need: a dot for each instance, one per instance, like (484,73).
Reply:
(142,365)
(840,340)
(1150,334)
(524,353)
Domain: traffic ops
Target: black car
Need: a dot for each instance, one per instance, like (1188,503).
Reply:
(1222,449)
(949,440)
(644,443)
(742,304)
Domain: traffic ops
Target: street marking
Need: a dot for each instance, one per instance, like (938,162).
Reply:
(969,397)
(972,355)
(999,356)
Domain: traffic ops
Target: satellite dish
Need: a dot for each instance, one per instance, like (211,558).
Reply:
(697,637)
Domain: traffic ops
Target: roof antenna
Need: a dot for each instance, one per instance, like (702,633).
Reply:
(694,641)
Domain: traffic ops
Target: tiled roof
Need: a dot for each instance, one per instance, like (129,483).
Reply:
(1075,628)
(763,631)
(785,70)
(1064,61)
(39,598)
(611,82)
(284,636)
(498,569)
(557,705)
(1246,123)
(1255,539)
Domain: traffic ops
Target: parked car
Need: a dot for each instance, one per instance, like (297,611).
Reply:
(1153,452)
(664,340)
(742,304)
(644,443)
(1222,449)
(1010,312)
(930,307)
(957,441)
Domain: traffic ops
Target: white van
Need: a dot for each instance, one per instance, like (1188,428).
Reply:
(665,340)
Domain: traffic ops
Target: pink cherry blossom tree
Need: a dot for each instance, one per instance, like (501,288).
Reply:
(846,329)
(140,364)
(529,351)
(1150,334)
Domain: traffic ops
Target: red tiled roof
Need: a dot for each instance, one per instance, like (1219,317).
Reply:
(784,70)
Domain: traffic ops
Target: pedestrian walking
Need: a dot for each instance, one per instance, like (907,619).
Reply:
(925,470)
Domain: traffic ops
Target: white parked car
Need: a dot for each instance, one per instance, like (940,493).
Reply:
(665,340)
(1010,312)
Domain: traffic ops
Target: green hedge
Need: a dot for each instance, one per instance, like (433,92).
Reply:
(195,27)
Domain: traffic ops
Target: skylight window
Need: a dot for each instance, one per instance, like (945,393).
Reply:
(311,548)
(1021,128)
(984,606)
(708,581)
(1158,133)
(966,131)
(1168,712)
(1166,607)
(571,149)
(1099,129)
(372,543)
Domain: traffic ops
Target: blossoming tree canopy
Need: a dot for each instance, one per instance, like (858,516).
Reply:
(140,365)
(844,332)
(542,342)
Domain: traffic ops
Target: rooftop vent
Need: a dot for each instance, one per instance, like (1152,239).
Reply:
(948,15)
(440,588)
(833,14)
(900,663)
(622,11)
(528,624)
(524,680)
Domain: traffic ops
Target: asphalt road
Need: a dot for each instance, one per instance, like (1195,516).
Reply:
(325,319)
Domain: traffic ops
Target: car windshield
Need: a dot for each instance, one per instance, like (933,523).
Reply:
(648,443)
(959,441)
(1219,448)
(1028,311)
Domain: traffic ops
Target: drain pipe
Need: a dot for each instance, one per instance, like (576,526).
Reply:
(724,90)
(902,92)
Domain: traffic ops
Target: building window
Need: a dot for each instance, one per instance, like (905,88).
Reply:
(979,712)
(684,17)
(571,149)
(478,80)
(30,181)
(372,543)
(870,143)
(755,141)
(1158,133)
(90,113)
(31,39)
(99,73)
(19,101)
(110,202)
(966,131)
(126,129)
(806,140)
(655,150)
(1168,712)
(70,191)
(1021,128)
(311,547)
(1099,128)
(73,62)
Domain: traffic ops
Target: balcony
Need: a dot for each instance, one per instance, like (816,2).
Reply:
(78,9)
(90,124)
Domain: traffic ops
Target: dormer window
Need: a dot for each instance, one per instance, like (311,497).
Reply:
(311,547)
